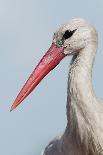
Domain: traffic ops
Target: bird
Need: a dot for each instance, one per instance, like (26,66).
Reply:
(83,134)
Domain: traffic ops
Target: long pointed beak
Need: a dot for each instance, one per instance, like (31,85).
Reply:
(49,61)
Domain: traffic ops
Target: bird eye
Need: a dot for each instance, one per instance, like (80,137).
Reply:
(68,34)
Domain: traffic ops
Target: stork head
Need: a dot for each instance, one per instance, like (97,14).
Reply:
(74,36)
(69,39)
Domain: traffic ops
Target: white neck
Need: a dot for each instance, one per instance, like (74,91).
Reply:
(81,95)
(82,105)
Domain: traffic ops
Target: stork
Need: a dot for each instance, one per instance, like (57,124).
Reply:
(84,131)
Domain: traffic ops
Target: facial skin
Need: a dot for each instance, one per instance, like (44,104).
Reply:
(74,36)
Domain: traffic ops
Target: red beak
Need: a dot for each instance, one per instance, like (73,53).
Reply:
(49,61)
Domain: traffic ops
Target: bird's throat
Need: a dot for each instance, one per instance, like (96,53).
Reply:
(80,90)
(81,101)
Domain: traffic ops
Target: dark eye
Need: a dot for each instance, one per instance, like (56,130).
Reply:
(68,34)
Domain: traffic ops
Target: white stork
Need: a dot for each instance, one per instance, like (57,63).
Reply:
(84,131)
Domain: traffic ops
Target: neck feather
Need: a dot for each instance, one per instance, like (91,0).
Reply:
(82,105)
(80,89)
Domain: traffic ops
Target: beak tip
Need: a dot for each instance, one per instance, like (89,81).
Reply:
(12,108)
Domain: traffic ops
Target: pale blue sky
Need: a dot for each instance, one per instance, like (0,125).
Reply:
(26,29)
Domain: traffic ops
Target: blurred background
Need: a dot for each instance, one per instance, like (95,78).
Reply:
(26,30)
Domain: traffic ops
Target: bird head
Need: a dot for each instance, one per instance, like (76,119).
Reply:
(74,36)
(69,39)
